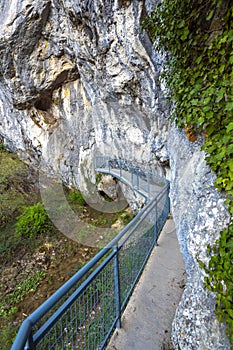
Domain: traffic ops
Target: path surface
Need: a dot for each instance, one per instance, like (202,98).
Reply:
(147,320)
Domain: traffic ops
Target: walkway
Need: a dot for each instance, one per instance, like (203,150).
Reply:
(141,181)
(136,183)
(147,320)
(91,303)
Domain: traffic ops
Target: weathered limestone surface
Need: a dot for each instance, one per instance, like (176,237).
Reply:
(76,80)
(80,78)
(200,214)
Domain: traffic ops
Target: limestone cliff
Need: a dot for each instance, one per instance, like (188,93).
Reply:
(80,78)
(76,80)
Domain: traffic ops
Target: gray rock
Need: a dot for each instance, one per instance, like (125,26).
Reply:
(200,214)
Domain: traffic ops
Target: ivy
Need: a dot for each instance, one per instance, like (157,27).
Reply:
(196,37)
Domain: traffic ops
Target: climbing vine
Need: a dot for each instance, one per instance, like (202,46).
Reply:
(196,37)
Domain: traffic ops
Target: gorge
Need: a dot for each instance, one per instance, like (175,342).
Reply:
(81,78)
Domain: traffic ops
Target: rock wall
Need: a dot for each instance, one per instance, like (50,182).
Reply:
(76,80)
(200,214)
(80,78)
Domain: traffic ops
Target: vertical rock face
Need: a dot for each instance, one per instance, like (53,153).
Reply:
(200,214)
(80,78)
(76,80)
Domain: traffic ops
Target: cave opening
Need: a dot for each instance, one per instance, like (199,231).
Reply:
(43,103)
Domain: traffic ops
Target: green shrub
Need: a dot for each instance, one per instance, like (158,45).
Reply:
(98,178)
(76,197)
(2,147)
(33,221)
(126,218)
(100,221)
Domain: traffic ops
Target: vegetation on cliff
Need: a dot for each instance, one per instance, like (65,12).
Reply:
(196,37)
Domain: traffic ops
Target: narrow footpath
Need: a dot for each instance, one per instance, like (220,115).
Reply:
(147,320)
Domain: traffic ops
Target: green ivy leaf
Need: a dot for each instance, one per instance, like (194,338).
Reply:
(185,34)
(229,127)
(229,106)
(181,24)
(210,15)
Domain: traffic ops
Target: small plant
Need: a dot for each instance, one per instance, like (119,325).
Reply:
(100,221)
(123,216)
(98,178)
(29,285)
(76,197)
(8,307)
(126,218)
(8,334)
(33,221)
(2,147)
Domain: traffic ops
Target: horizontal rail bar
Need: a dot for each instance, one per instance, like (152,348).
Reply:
(152,203)
(126,165)
(104,171)
(124,302)
(55,298)
(23,335)
(52,320)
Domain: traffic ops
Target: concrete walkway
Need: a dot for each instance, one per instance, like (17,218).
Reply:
(147,320)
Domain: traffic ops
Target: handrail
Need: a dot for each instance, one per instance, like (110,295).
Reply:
(138,179)
(144,210)
(106,283)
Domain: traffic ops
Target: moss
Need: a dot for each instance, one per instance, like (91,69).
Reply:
(16,187)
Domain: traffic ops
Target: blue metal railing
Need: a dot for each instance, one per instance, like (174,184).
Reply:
(84,311)
(140,180)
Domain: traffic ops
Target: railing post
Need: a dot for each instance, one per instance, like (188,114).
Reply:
(156,225)
(109,164)
(168,198)
(120,168)
(30,344)
(137,179)
(148,183)
(117,288)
